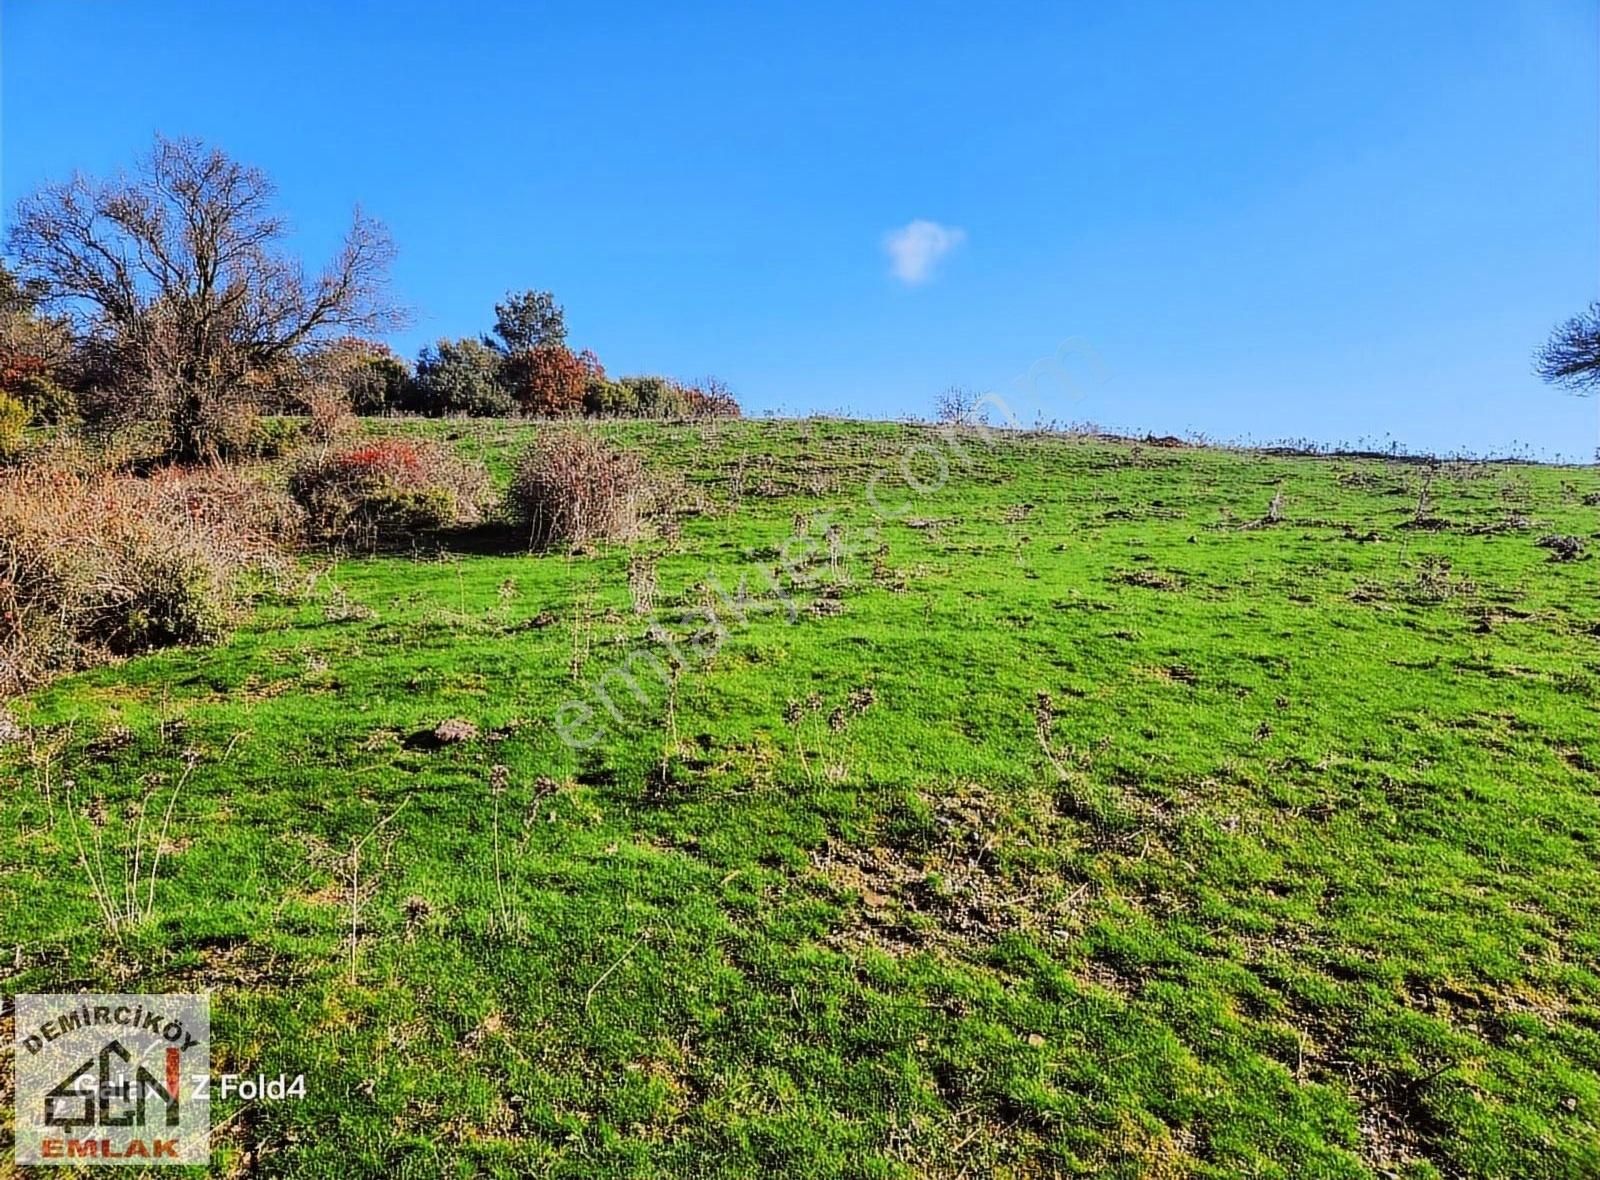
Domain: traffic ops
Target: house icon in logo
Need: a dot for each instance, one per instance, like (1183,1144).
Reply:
(109,1091)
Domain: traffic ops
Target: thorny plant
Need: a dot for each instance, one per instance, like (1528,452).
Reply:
(835,539)
(1044,721)
(669,726)
(1424,507)
(42,758)
(1436,583)
(505,920)
(505,598)
(582,633)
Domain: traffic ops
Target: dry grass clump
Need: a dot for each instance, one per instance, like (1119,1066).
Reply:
(96,565)
(387,490)
(570,488)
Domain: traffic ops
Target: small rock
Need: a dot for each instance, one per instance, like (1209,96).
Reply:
(1035,1040)
(455,730)
(1562,548)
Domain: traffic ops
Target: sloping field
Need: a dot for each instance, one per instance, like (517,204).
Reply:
(1042,805)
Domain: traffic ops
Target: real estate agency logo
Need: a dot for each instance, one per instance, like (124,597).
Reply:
(113,1079)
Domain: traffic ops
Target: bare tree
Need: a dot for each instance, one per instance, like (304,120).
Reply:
(1571,357)
(177,280)
(957,406)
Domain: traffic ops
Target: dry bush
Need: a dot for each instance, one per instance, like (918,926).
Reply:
(329,417)
(98,565)
(570,488)
(387,490)
(86,453)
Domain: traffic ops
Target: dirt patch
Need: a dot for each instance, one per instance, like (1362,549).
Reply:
(1151,580)
(1395,1127)
(1097,973)
(972,872)
(236,964)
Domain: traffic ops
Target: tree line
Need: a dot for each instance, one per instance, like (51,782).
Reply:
(168,296)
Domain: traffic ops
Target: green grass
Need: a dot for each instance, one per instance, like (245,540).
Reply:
(1294,875)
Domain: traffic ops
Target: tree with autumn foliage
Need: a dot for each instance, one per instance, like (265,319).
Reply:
(550,380)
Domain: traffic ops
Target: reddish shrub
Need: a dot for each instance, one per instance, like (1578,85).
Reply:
(548,381)
(30,379)
(386,490)
(394,456)
(17,367)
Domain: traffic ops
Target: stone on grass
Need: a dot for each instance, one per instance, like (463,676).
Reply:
(456,729)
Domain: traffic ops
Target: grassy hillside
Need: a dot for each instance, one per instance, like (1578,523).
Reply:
(1071,815)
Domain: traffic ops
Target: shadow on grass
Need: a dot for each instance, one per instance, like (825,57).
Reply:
(494,539)
(480,540)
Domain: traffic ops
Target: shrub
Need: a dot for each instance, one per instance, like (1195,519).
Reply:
(459,377)
(662,397)
(28,378)
(571,488)
(549,381)
(657,397)
(379,385)
(609,399)
(13,424)
(328,414)
(370,377)
(275,437)
(386,490)
(35,352)
(229,426)
(47,401)
(711,398)
(98,565)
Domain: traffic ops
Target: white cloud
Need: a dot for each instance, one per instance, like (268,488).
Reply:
(915,249)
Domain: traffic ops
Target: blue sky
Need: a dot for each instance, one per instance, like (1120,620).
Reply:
(1253,220)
